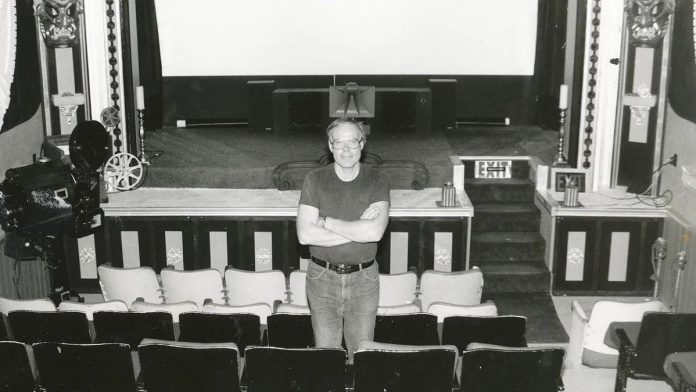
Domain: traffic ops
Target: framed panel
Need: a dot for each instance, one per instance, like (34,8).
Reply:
(206,228)
(74,258)
(250,253)
(433,251)
(411,227)
(568,234)
(636,253)
(165,236)
(143,228)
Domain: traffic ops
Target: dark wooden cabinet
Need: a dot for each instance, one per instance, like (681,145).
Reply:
(251,243)
(604,255)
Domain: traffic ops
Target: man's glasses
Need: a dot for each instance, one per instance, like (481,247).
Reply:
(350,143)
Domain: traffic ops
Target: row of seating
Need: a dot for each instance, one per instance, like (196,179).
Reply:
(176,366)
(245,329)
(642,340)
(239,287)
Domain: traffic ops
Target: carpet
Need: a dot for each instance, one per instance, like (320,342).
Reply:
(543,324)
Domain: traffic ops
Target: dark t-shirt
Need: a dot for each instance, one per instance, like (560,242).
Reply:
(345,200)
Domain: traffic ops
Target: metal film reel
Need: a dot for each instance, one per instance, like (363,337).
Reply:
(123,171)
(110,117)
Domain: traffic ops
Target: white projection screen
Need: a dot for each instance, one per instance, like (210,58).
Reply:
(347,37)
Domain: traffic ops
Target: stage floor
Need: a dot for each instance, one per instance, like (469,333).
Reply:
(238,158)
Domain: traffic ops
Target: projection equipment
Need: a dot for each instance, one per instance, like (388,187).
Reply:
(352,101)
(48,198)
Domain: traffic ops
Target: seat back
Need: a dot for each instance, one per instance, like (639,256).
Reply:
(89,308)
(132,327)
(292,308)
(183,366)
(398,309)
(443,309)
(4,335)
(262,310)
(510,369)
(128,284)
(84,367)
(660,334)
(508,331)
(15,370)
(271,369)
(296,283)
(175,309)
(196,286)
(290,330)
(7,305)
(250,287)
(242,329)
(33,327)
(412,329)
(380,367)
(458,288)
(397,289)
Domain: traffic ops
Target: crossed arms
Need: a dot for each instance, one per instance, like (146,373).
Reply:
(369,228)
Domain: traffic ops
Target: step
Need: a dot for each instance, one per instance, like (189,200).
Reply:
(513,190)
(505,217)
(504,246)
(516,278)
(519,168)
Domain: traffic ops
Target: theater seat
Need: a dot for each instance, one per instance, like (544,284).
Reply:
(296,284)
(397,289)
(457,288)
(129,284)
(89,308)
(132,327)
(42,305)
(34,327)
(175,309)
(84,367)
(443,309)
(394,367)
(262,310)
(196,286)
(273,369)
(461,331)
(486,368)
(290,330)
(411,329)
(587,334)
(242,329)
(250,287)
(184,366)
(15,369)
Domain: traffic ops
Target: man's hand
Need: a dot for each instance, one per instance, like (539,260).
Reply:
(371,212)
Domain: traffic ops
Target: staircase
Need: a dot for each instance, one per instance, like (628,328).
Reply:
(505,240)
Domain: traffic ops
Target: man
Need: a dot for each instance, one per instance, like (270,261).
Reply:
(342,214)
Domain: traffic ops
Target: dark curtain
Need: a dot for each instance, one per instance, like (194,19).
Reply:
(682,79)
(25,91)
(150,62)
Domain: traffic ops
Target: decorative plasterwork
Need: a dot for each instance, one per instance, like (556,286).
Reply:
(648,20)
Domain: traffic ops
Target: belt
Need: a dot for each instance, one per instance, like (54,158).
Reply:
(342,268)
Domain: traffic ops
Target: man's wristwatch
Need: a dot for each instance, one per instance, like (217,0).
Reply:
(321,221)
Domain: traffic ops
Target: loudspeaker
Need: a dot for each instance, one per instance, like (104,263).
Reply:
(261,105)
(444,104)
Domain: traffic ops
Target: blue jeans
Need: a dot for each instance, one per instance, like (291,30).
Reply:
(342,305)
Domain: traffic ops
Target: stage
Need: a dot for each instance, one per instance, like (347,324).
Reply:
(237,158)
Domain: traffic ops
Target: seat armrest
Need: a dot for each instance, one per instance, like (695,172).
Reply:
(685,376)
(624,340)
(576,334)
